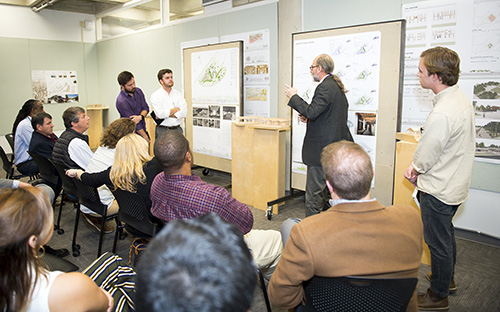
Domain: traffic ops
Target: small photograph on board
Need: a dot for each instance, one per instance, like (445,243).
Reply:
(229,112)
(214,111)
(200,111)
(366,123)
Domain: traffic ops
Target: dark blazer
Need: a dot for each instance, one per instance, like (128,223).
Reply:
(327,119)
(41,145)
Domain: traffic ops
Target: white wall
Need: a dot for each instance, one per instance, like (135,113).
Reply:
(22,22)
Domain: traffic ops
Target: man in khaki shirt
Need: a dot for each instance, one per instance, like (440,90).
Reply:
(442,168)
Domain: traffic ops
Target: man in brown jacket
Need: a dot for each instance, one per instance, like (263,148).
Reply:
(357,236)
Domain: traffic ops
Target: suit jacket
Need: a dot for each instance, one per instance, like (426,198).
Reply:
(360,239)
(41,145)
(327,119)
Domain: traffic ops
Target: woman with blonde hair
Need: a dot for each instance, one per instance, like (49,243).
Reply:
(102,160)
(133,169)
(26,224)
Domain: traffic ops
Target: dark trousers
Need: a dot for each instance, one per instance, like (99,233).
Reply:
(317,194)
(439,234)
(160,130)
(28,168)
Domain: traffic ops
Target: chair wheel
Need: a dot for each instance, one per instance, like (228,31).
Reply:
(76,253)
(60,231)
(206,171)
(269,213)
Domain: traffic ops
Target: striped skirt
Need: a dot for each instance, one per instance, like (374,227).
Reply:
(115,276)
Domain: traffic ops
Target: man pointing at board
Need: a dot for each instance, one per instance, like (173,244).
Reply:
(326,119)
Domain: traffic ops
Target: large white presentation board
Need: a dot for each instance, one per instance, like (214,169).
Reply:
(368,59)
(213,91)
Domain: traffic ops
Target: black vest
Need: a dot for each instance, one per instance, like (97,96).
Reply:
(60,153)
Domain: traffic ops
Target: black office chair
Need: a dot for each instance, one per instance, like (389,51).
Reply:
(264,290)
(69,191)
(10,168)
(352,293)
(50,177)
(89,197)
(58,264)
(10,139)
(136,215)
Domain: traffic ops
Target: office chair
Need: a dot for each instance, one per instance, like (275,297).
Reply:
(50,176)
(135,213)
(89,197)
(69,191)
(264,290)
(10,139)
(352,293)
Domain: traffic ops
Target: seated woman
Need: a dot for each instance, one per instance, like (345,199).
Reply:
(102,160)
(26,224)
(133,169)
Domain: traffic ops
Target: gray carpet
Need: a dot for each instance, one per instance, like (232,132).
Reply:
(477,270)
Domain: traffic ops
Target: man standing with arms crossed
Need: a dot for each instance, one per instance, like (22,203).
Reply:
(442,168)
(326,119)
(168,104)
(131,103)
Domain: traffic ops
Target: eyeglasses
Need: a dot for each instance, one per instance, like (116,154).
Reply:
(313,66)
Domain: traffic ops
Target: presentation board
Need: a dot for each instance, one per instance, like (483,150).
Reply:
(369,60)
(213,88)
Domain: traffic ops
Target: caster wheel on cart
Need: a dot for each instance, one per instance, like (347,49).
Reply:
(269,213)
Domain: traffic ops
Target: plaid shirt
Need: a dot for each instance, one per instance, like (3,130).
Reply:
(184,197)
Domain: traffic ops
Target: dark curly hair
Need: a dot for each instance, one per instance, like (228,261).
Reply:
(117,130)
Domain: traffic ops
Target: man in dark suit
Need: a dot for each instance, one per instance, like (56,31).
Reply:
(326,119)
(43,137)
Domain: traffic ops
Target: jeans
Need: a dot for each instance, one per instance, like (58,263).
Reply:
(317,194)
(439,234)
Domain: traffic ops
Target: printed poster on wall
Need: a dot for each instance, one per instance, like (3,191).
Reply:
(256,76)
(472,29)
(55,86)
(357,63)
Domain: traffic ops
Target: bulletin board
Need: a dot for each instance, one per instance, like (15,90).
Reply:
(213,89)
(369,60)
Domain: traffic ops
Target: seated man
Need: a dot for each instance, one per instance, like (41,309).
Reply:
(72,149)
(201,264)
(22,131)
(43,137)
(177,194)
(357,236)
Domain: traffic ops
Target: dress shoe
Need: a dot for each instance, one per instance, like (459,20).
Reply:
(431,302)
(453,286)
(95,224)
(56,252)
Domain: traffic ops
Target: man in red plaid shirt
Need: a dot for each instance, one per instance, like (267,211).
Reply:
(177,194)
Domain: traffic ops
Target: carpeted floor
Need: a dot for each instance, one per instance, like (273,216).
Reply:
(477,269)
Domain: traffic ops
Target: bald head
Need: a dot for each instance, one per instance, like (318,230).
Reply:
(348,169)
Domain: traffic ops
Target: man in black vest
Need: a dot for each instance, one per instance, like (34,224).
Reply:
(72,149)
(326,119)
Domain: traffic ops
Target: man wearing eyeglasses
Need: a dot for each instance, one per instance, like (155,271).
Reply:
(326,119)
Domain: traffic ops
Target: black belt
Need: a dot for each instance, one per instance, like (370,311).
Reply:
(170,128)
